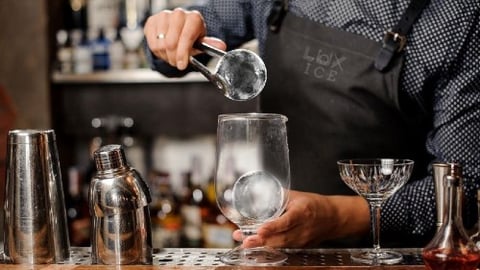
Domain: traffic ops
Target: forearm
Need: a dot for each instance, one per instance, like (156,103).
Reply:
(351,215)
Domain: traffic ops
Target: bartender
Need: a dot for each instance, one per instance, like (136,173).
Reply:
(356,79)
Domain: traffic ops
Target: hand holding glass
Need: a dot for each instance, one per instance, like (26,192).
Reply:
(252,178)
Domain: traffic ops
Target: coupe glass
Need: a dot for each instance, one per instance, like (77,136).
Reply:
(252,178)
(376,180)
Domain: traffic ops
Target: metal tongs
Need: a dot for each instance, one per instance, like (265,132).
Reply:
(240,74)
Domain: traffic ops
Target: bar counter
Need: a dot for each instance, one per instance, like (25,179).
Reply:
(203,259)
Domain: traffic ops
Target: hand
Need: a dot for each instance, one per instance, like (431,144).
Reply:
(170,35)
(310,219)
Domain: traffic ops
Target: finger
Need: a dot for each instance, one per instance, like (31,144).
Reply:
(282,224)
(177,22)
(249,241)
(282,232)
(215,42)
(155,26)
(253,241)
(160,34)
(193,29)
(237,235)
(149,32)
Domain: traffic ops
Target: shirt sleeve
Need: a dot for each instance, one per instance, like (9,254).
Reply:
(454,138)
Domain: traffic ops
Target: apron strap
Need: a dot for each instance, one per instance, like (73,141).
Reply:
(395,40)
(275,19)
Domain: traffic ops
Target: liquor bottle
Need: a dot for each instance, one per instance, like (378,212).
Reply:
(77,209)
(116,51)
(79,12)
(195,206)
(216,228)
(64,52)
(451,248)
(100,52)
(131,32)
(82,55)
(165,213)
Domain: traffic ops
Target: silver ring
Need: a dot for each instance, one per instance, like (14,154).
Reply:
(161,36)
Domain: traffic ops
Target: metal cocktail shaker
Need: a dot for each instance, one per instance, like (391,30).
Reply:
(36,229)
(440,170)
(119,198)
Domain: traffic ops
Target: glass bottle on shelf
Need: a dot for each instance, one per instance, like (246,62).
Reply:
(77,208)
(164,211)
(82,54)
(194,207)
(217,229)
(131,33)
(451,248)
(64,52)
(116,51)
(100,51)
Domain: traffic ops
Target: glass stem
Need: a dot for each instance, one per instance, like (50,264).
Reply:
(246,232)
(376,209)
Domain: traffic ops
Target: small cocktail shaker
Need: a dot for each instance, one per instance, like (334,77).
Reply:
(118,200)
(440,170)
(35,218)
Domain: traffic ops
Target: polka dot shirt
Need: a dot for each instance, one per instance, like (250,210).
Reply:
(441,75)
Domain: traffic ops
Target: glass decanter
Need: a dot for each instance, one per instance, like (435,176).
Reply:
(451,248)
(476,236)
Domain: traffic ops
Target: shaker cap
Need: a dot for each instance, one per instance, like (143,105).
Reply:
(110,157)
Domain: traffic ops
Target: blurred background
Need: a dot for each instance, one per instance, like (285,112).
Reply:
(78,67)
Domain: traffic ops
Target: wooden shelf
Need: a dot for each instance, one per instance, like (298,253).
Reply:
(125,76)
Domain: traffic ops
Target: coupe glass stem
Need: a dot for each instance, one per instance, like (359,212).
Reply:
(376,209)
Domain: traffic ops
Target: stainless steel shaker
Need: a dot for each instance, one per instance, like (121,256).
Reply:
(440,171)
(36,229)
(118,200)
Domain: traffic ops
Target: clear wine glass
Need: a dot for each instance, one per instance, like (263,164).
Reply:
(252,178)
(376,180)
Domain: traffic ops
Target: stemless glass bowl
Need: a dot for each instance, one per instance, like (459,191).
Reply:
(376,180)
(252,178)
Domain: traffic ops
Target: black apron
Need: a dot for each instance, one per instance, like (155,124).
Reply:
(338,104)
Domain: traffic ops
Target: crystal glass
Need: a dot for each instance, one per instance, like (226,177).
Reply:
(376,180)
(252,178)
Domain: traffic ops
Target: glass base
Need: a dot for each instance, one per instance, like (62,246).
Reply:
(377,257)
(253,256)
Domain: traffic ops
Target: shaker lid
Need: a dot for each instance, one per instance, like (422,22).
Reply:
(109,157)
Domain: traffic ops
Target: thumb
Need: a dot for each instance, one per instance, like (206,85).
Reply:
(215,42)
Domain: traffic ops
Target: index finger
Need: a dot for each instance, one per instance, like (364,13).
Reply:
(284,223)
(194,28)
